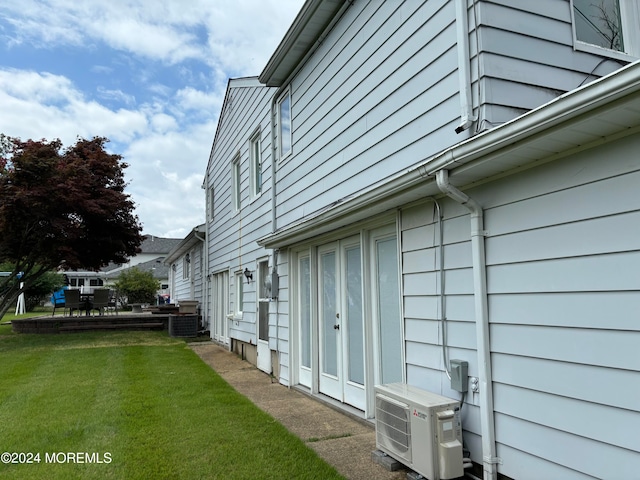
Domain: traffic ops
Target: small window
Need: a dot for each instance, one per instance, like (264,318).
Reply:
(211,204)
(186,267)
(255,152)
(96,282)
(235,182)
(284,119)
(609,24)
(239,300)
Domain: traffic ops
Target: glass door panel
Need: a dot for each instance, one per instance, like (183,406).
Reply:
(354,316)
(304,302)
(388,308)
(330,359)
(329,312)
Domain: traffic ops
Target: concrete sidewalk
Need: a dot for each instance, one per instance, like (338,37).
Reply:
(341,440)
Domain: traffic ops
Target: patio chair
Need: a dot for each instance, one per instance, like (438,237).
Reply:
(72,301)
(113,301)
(100,300)
(57,299)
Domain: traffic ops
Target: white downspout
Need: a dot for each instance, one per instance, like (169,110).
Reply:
(489,458)
(204,275)
(464,68)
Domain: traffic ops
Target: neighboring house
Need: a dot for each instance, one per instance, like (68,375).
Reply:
(186,267)
(153,251)
(444,180)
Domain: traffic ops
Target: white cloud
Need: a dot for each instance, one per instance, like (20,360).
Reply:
(165,130)
(48,106)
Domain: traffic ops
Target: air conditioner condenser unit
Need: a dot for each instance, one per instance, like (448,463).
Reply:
(420,429)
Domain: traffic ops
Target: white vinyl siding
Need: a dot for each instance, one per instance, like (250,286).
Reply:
(564,291)
(364,108)
(186,284)
(528,57)
(233,235)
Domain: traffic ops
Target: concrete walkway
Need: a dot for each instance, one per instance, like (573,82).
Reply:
(341,440)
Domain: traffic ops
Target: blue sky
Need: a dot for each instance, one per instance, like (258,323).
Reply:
(150,75)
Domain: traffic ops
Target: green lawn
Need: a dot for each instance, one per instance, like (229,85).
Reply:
(141,403)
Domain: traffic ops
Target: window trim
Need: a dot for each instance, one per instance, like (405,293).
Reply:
(255,186)
(630,18)
(288,153)
(236,183)
(211,203)
(186,266)
(238,301)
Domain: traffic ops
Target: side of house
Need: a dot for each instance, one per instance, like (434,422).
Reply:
(186,264)
(434,194)
(238,184)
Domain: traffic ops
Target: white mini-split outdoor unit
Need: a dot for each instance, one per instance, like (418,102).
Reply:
(420,429)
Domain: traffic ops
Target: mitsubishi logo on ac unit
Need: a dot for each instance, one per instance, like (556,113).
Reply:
(418,414)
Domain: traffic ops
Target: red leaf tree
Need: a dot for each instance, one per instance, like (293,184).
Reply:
(62,208)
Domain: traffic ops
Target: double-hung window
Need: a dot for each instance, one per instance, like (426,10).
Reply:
(284,122)
(211,204)
(239,294)
(609,24)
(186,267)
(235,183)
(255,154)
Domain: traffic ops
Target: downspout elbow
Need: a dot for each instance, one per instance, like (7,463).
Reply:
(442,181)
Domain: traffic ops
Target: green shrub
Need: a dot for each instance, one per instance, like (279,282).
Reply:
(137,286)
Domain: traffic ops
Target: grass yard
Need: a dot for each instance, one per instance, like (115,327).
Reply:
(142,404)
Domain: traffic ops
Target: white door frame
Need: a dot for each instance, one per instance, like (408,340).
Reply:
(262,307)
(386,226)
(220,307)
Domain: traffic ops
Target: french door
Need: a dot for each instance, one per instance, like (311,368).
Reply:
(341,322)
(349,327)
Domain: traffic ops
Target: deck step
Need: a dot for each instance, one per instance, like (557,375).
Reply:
(111,326)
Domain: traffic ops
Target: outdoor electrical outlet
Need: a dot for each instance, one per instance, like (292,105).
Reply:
(475,387)
(459,375)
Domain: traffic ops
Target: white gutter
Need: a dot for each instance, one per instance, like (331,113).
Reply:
(548,117)
(487,424)
(464,68)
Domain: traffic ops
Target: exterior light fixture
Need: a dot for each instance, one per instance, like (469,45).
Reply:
(248,275)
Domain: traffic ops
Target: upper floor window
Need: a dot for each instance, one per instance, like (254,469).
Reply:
(255,153)
(235,182)
(284,121)
(211,204)
(610,24)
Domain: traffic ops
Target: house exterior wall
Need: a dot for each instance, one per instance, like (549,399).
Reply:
(528,57)
(191,287)
(379,95)
(562,254)
(234,234)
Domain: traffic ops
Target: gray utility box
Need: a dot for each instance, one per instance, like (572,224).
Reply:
(183,325)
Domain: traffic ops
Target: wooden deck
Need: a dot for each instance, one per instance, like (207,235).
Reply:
(122,321)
